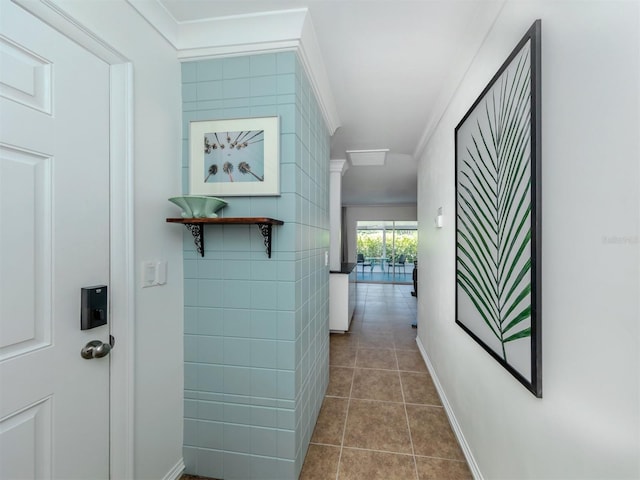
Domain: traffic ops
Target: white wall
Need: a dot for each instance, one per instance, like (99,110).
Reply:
(374,213)
(587,424)
(158,310)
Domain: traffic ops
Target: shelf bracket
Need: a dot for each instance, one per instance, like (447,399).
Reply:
(196,230)
(196,227)
(265,229)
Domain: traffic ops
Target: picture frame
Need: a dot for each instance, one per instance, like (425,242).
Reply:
(498,215)
(235,157)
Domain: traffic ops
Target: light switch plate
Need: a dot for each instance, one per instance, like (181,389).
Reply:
(161,272)
(154,273)
(148,274)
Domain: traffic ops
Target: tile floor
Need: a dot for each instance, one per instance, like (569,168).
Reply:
(381,417)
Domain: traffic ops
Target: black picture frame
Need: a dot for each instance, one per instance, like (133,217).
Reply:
(498,215)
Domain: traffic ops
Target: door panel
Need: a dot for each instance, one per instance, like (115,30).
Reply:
(25,443)
(54,239)
(25,273)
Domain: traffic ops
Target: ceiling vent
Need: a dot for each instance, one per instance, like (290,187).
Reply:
(367,158)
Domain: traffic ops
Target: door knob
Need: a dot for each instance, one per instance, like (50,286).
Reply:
(95,349)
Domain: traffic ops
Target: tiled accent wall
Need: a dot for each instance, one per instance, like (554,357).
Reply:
(257,328)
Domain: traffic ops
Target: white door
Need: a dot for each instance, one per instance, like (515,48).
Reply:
(54,239)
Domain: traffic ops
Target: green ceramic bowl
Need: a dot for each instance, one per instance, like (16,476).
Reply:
(198,206)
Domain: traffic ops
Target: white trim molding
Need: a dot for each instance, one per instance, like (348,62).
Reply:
(52,14)
(122,272)
(338,165)
(176,472)
(311,59)
(479,29)
(336,169)
(256,33)
(457,430)
(159,18)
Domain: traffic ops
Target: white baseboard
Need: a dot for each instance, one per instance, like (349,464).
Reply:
(473,466)
(176,471)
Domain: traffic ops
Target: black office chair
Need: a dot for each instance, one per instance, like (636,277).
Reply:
(400,261)
(360,261)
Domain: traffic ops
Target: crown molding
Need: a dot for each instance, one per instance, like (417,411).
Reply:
(242,31)
(479,28)
(159,18)
(338,166)
(267,32)
(311,58)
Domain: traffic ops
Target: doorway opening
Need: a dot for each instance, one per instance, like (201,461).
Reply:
(386,251)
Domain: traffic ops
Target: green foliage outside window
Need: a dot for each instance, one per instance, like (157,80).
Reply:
(369,243)
(406,244)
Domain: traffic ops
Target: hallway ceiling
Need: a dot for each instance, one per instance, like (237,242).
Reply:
(392,66)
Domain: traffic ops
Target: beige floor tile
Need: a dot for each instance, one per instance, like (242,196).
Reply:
(368,340)
(403,318)
(382,358)
(376,437)
(375,306)
(330,425)
(342,356)
(343,339)
(356,325)
(431,433)
(376,328)
(321,463)
(419,388)
(402,326)
(340,379)
(439,469)
(377,385)
(368,465)
(377,426)
(406,344)
(410,361)
(376,319)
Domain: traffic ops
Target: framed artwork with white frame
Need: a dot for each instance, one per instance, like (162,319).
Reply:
(239,157)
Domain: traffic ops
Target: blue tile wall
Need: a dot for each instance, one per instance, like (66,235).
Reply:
(257,329)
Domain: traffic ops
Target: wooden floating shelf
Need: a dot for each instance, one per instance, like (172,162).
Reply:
(196,227)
